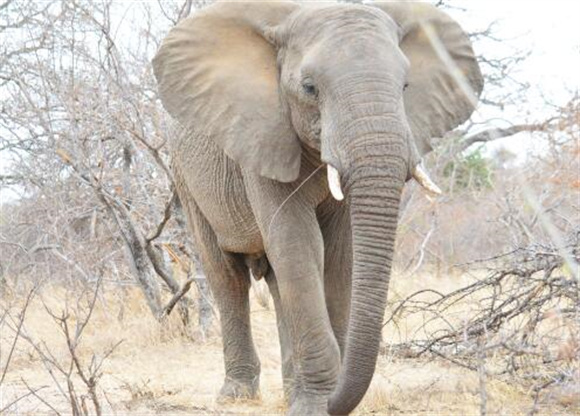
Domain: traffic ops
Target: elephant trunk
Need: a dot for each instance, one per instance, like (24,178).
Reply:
(374,173)
(374,208)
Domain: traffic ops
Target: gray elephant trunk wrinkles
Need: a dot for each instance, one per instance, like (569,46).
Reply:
(373,152)
(374,203)
(362,119)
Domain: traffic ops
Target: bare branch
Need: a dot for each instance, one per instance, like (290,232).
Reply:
(171,304)
(166,216)
(31,392)
(499,133)
(17,332)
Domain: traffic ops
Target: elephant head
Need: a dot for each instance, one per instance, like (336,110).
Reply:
(366,86)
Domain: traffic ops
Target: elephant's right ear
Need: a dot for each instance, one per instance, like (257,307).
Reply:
(217,75)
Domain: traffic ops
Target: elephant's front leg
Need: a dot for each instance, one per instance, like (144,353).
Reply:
(284,336)
(296,254)
(295,249)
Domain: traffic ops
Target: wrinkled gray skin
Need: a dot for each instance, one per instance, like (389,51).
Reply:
(342,76)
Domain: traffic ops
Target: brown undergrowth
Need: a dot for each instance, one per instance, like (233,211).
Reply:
(160,370)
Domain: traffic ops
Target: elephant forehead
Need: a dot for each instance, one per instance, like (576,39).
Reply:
(340,22)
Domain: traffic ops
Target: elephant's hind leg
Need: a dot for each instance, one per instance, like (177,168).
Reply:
(242,366)
(229,281)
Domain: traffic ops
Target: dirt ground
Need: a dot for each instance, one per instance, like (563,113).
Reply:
(154,371)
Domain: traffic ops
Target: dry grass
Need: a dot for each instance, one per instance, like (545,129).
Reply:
(155,371)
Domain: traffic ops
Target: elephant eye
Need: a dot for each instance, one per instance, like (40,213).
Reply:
(405,86)
(309,88)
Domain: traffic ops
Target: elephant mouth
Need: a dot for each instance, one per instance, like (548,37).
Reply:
(419,174)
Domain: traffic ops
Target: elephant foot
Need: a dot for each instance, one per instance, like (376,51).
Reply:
(233,390)
(308,405)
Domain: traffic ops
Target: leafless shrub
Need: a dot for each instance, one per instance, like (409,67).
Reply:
(494,202)
(75,378)
(517,318)
(523,315)
(85,141)
(6,315)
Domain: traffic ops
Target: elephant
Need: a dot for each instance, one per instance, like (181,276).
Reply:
(299,125)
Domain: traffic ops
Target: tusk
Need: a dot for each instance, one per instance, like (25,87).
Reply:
(334,183)
(421,176)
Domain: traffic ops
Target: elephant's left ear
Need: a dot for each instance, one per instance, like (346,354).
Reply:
(217,75)
(444,80)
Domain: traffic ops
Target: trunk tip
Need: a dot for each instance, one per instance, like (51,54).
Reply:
(341,402)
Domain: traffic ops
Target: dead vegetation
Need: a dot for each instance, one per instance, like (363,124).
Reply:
(103,310)
(517,323)
(147,369)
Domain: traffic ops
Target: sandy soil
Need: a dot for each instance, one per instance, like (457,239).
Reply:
(156,372)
